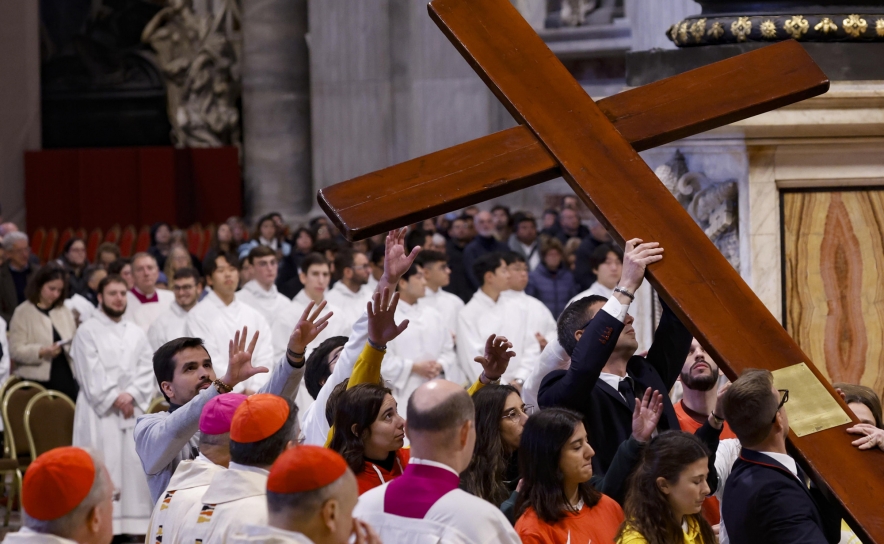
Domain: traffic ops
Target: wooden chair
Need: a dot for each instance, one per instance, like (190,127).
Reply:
(16,452)
(8,466)
(92,244)
(143,241)
(49,246)
(113,234)
(127,241)
(37,239)
(157,405)
(49,422)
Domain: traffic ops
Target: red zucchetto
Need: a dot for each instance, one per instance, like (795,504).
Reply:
(305,468)
(258,417)
(57,482)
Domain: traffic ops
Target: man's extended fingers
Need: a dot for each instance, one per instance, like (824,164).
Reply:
(306,311)
(317,310)
(489,343)
(235,343)
(243,339)
(401,328)
(323,320)
(253,342)
(394,303)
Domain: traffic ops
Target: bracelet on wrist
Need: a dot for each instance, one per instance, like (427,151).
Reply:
(377,346)
(291,354)
(221,386)
(485,380)
(625,292)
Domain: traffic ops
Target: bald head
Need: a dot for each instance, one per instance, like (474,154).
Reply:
(439,406)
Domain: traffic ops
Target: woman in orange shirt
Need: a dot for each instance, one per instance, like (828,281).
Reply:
(369,435)
(557,503)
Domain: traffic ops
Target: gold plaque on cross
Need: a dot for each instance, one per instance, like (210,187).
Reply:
(811,408)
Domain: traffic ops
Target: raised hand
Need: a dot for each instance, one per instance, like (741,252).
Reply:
(308,328)
(636,258)
(646,415)
(718,422)
(382,327)
(239,365)
(873,436)
(497,357)
(396,261)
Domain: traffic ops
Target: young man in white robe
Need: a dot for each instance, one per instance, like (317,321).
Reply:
(350,293)
(263,427)
(487,313)
(311,493)
(606,262)
(112,364)
(145,302)
(186,286)
(183,369)
(315,276)
(261,293)
(530,325)
(192,478)
(218,317)
(425,349)
(437,274)
(74,509)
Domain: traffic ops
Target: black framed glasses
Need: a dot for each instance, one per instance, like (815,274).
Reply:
(783,400)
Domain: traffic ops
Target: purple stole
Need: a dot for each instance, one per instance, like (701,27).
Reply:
(417,490)
(143,298)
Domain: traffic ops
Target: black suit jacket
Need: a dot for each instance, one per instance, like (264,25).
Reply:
(765,503)
(8,296)
(606,415)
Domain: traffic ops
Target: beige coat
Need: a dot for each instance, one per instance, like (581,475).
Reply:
(29,331)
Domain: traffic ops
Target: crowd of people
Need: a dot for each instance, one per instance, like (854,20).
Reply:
(477,378)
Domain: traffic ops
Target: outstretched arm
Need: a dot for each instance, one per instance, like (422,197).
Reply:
(494,362)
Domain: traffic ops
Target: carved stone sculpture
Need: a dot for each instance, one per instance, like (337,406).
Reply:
(584,12)
(712,204)
(200,59)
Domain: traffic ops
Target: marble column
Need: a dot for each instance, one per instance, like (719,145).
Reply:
(276,108)
(20,107)
(651,19)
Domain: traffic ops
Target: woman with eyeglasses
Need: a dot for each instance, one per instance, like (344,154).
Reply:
(500,417)
(666,494)
(370,434)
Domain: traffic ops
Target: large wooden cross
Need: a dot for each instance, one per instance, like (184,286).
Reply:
(563,132)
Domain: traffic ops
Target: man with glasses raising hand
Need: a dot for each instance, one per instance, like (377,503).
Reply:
(186,286)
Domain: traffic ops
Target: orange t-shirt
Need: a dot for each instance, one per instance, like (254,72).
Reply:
(711,509)
(591,525)
(375,475)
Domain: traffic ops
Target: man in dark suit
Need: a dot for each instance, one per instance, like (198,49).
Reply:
(14,273)
(767,497)
(605,376)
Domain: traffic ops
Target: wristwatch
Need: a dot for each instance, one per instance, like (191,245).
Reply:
(619,289)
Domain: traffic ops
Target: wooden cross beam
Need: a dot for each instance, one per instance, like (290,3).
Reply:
(593,146)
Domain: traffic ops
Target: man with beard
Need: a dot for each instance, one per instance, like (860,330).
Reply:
(350,293)
(483,244)
(699,379)
(112,363)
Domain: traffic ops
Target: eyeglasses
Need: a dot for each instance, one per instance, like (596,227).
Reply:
(514,414)
(116,495)
(785,399)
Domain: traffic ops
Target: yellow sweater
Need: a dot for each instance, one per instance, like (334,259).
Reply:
(691,536)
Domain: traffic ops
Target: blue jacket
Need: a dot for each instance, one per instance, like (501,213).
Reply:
(764,502)
(554,289)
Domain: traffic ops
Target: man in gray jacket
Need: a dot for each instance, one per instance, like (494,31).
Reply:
(183,369)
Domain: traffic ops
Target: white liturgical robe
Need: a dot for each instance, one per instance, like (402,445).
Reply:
(26,535)
(425,339)
(186,488)
(642,309)
(447,304)
(350,305)
(144,314)
(235,497)
(270,303)
(263,534)
(111,358)
(168,326)
(479,319)
(217,324)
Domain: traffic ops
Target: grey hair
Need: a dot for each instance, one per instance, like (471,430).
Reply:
(10,239)
(67,525)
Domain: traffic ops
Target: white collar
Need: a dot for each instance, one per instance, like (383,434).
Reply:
(784,460)
(341,288)
(598,288)
(247,468)
(613,380)
(483,298)
(213,297)
(427,462)
(28,534)
(304,299)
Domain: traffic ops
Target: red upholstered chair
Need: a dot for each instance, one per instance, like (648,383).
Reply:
(194,238)
(37,239)
(113,235)
(92,244)
(208,238)
(49,246)
(66,235)
(127,240)
(143,241)
(81,233)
